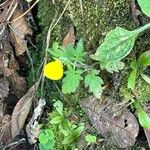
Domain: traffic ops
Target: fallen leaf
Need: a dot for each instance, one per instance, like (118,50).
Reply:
(5,132)
(69,38)
(18,84)
(121,130)
(21,111)
(33,128)
(4,88)
(19,29)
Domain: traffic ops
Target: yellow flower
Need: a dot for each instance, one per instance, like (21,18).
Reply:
(54,70)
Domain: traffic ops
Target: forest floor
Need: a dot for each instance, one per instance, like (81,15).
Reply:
(74,75)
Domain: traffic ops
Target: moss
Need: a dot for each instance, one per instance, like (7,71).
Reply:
(98,18)
(142,90)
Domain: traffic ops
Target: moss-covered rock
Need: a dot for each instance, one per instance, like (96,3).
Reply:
(98,17)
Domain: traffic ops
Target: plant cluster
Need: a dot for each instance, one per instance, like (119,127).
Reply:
(60,131)
(117,44)
(73,58)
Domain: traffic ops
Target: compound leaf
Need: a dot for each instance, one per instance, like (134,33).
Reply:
(71,81)
(117,44)
(79,53)
(94,83)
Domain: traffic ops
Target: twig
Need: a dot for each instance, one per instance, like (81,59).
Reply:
(61,15)
(81,7)
(25,12)
(48,40)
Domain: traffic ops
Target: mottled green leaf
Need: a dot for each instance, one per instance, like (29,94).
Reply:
(117,44)
(145,6)
(94,83)
(71,81)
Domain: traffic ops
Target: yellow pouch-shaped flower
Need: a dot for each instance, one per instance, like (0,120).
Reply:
(54,70)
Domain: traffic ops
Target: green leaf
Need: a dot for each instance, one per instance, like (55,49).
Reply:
(59,107)
(55,46)
(94,83)
(144,119)
(68,139)
(145,77)
(117,44)
(79,52)
(77,132)
(46,139)
(43,138)
(63,131)
(145,6)
(90,138)
(132,79)
(71,81)
(144,59)
(56,120)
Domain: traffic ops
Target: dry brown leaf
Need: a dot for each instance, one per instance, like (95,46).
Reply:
(4,88)
(5,132)
(121,130)
(33,128)
(19,30)
(18,84)
(7,9)
(21,111)
(69,38)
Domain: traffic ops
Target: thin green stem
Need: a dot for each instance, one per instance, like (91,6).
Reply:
(141,29)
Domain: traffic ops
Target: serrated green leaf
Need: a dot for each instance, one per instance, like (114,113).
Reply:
(71,81)
(144,59)
(117,44)
(94,83)
(145,6)
(132,79)
(113,66)
(90,138)
(56,120)
(79,52)
(144,119)
(55,46)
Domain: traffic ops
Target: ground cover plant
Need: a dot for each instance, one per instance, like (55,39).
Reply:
(74,75)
